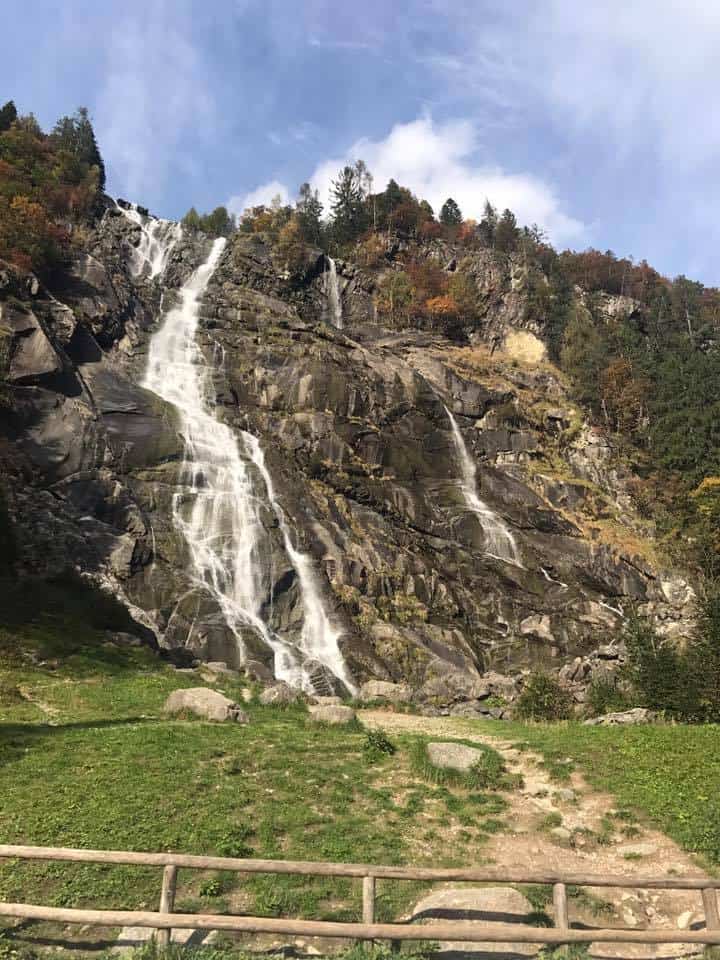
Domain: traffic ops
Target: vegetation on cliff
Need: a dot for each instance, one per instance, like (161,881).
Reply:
(49,185)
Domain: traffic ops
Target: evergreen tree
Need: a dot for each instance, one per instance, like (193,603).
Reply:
(76,136)
(8,115)
(506,232)
(219,223)
(309,211)
(347,193)
(191,220)
(488,225)
(450,215)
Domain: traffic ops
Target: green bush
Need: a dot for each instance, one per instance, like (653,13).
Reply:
(377,745)
(543,698)
(607,696)
(682,683)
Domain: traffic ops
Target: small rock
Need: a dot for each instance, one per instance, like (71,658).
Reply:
(219,668)
(561,833)
(204,703)
(332,714)
(328,701)
(453,756)
(566,795)
(637,849)
(684,920)
(246,694)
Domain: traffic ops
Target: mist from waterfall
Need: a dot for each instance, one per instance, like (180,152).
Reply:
(219,510)
(499,541)
(332,292)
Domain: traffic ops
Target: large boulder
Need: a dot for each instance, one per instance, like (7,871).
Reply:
(205,703)
(486,906)
(331,714)
(279,693)
(622,718)
(384,690)
(453,756)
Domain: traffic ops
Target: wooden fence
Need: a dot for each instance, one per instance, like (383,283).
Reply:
(164,920)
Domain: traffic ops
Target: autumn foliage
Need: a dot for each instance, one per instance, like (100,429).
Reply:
(46,189)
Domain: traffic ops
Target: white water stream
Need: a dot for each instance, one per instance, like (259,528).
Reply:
(332,292)
(219,511)
(499,541)
(157,239)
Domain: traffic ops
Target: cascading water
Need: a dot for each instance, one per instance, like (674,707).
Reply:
(219,514)
(332,292)
(157,239)
(499,541)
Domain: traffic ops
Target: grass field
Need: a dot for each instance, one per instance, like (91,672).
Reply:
(88,760)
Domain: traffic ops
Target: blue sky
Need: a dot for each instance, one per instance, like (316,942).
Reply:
(596,120)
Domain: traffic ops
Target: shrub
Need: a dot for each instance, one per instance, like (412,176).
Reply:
(543,698)
(662,674)
(377,745)
(606,696)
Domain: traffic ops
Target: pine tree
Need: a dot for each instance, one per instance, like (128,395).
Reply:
(76,136)
(309,211)
(488,225)
(347,204)
(506,232)
(8,115)
(450,215)
(191,220)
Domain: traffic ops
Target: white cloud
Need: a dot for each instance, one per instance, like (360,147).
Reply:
(437,161)
(155,94)
(264,194)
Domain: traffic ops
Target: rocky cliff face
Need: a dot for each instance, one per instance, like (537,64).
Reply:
(357,432)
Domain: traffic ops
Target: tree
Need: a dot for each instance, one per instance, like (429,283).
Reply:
(309,211)
(488,225)
(76,136)
(291,247)
(219,223)
(583,354)
(506,232)
(450,215)
(8,115)
(395,294)
(191,220)
(348,194)
(463,289)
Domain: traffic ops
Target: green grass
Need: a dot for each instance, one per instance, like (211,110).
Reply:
(90,761)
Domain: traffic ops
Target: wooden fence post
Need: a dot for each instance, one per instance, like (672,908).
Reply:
(710,903)
(167,903)
(368,903)
(561,906)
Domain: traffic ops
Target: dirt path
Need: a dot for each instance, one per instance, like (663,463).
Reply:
(556,827)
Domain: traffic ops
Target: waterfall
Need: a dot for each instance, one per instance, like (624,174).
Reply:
(219,510)
(332,292)
(157,239)
(499,541)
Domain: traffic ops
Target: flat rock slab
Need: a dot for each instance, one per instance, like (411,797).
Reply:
(205,703)
(485,906)
(330,713)
(453,756)
(130,938)
(384,690)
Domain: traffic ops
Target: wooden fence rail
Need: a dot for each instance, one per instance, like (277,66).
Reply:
(164,921)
